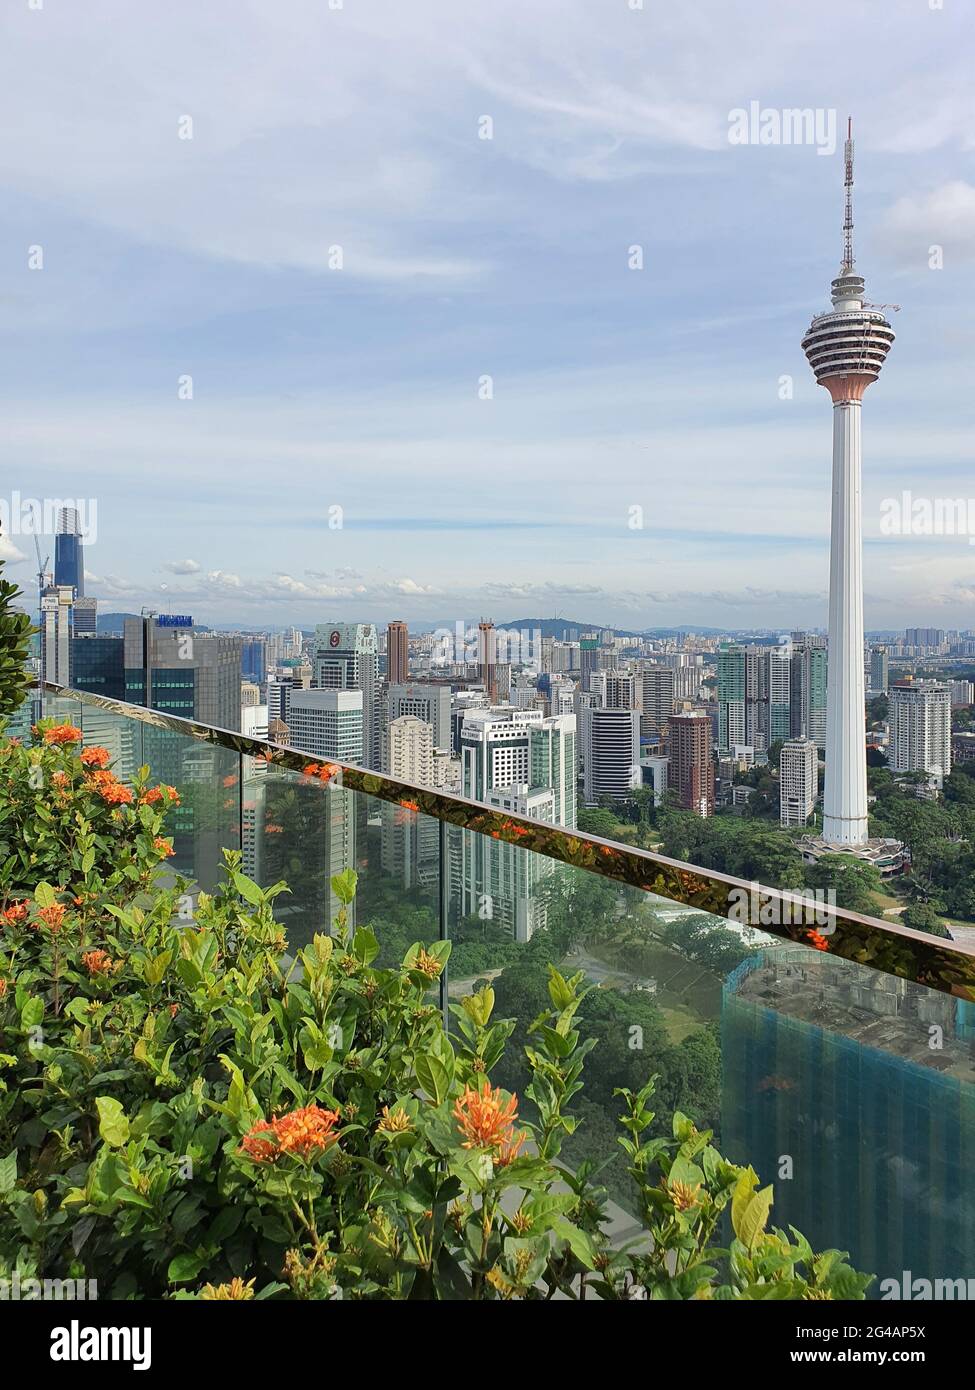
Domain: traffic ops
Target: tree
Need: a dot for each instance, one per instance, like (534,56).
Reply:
(15,632)
(877,709)
(854,883)
(922,917)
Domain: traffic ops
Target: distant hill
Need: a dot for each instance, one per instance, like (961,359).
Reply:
(570,630)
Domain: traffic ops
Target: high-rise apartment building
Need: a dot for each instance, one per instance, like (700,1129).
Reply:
(919,722)
(798,781)
(691,767)
(616,690)
(731,696)
(659,693)
(808,683)
(879,671)
(410,750)
(588,658)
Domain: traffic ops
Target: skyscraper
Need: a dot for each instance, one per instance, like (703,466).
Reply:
(397,653)
(487,658)
(846,348)
(69,564)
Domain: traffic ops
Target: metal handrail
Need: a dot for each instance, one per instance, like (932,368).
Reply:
(884,946)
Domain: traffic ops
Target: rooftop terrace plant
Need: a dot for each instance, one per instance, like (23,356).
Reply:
(187,1111)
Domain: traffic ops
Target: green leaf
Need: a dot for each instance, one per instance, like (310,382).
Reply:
(183,1268)
(44,895)
(247,888)
(343,885)
(433,1076)
(8,1172)
(113,1124)
(750,1226)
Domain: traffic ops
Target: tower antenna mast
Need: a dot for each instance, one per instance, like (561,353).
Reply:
(848,184)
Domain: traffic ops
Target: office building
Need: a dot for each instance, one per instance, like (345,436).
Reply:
(610,753)
(345,656)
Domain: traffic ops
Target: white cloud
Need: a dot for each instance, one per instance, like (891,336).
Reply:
(182,566)
(9,552)
(943,216)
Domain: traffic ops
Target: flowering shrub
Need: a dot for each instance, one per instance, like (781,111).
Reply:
(185,1111)
(66,819)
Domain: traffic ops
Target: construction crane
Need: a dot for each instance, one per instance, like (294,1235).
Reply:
(41,570)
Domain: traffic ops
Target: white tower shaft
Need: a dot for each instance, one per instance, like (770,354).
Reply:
(845,791)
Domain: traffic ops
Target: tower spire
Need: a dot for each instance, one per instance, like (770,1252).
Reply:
(847,265)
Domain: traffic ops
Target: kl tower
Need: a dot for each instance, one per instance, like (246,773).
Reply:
(846,348)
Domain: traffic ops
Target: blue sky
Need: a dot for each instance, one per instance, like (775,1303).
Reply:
(357,388)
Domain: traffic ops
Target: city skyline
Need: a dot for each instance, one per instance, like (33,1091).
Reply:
(613,389)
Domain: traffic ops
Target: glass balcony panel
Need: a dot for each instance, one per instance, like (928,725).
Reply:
(303,829)
(851,1091)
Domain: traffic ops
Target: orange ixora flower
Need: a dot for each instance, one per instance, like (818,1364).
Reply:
(62,733)
(170,793)
(96,757)
(150,796)
(60,779)
(97,962)
(303,1132)
(114,793)
(818,940)
(164,846)
(306,1130)
(261,1150)
(488,1122)
(16,912)
(410,805)
(52,916)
